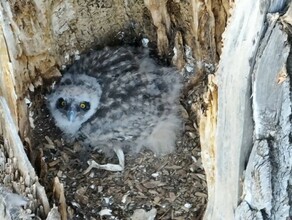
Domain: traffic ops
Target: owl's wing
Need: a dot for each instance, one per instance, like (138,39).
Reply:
(131,104)
(109,60)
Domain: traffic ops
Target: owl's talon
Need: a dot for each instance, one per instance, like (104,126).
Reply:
(109,166)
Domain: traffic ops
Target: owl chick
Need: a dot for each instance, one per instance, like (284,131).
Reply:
(117,99)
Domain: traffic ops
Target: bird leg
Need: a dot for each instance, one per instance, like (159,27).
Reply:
(110,167)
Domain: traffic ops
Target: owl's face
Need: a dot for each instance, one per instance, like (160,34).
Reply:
(74,100)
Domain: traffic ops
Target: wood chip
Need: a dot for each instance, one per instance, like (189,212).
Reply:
(153,184)
(200,194)
(173,167)
(80,195)
(172,197)
(58,191)
(53,163)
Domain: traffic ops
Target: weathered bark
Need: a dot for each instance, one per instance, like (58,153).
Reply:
(37,37)
(269,168)
(254,116)
(248,119)
(19,172)
(272,118)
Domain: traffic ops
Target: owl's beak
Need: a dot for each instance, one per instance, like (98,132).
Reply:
(71,114)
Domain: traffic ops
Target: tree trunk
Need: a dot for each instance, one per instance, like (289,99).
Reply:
(252,145)
(245,131)
(38,37)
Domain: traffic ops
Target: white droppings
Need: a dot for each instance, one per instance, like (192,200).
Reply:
(91,174)
(145,42)
(124,199)
(31,87)
(108,200)
(142,214)
(188,205)
(190,65)
(76,55)
(67,57)
(105,212)
(27,101)
(155,175)
(31,121)
(194,159)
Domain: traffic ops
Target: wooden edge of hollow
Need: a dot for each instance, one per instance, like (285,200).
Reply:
(15,149)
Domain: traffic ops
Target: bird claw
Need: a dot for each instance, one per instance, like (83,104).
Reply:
(110,167)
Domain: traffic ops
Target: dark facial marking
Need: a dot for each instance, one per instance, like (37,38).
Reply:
(61,104)
(66,82)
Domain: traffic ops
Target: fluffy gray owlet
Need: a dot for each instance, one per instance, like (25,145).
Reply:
(118,98)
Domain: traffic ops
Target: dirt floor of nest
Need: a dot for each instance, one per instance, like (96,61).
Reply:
(174,185)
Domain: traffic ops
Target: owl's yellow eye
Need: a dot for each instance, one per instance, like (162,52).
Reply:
(84,106)
(63,103)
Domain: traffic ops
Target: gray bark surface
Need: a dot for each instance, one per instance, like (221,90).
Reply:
(269,167)
(37,38)
(253,124)
(246,134)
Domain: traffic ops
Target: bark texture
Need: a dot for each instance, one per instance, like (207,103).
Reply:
(269,167)
(252,149)
(38,37)
(247,125)
(18,172)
